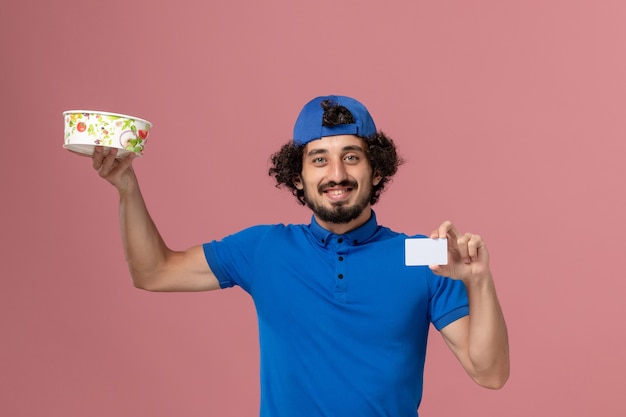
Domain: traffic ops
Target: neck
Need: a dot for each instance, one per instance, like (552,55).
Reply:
(343,228)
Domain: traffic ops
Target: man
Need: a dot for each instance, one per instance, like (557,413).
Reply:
(342,321)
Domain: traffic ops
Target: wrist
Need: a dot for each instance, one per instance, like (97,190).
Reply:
(479,280)
(127,186)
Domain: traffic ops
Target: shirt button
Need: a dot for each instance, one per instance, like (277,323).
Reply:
(340,276)
(340,240)
(341,258)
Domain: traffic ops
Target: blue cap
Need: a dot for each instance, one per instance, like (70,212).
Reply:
(309,124)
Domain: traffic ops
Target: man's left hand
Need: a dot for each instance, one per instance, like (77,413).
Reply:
(467,254)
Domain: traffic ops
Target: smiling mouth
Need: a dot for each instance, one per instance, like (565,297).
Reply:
(337,188)
(337,192)
(338,195)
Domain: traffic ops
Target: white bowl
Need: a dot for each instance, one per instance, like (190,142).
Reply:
(86,129)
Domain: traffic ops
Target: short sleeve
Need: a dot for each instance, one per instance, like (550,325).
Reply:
(447,302)
(232,258)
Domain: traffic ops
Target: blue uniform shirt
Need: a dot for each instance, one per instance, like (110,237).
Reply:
(343,323)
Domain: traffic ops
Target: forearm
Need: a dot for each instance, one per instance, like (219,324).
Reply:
(488,346)
(145,250)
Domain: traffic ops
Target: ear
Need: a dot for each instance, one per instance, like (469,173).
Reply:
(297,182)
(376,179)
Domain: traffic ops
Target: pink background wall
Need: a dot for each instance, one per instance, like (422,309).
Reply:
(511,116)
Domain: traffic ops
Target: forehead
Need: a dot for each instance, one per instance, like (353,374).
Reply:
(335,143)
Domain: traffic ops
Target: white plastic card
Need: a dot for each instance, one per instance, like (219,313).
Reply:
(425,251)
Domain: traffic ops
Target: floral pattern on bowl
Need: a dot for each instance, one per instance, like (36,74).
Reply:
(86,129)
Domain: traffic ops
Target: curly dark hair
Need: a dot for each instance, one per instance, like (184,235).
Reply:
(381,151)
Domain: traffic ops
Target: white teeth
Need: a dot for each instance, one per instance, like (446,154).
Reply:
(336,192)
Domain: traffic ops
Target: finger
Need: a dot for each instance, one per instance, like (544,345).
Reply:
(443,229)
(463,245)
(125,162)
(472,247)
(108,163)
(448,229)
(473,244)
(98,156)
(437,269)
(434,234)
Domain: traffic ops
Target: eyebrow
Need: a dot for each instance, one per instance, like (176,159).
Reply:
(349,148)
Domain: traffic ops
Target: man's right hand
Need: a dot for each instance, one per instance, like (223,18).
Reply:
(118,172)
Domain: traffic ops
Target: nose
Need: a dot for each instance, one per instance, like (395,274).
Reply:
(337,171)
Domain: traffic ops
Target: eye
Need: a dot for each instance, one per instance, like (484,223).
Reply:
(318,160)
(351,158)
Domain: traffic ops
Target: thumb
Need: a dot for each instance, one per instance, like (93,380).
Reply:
(437,269)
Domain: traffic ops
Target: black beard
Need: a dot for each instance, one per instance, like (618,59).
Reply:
(339,213)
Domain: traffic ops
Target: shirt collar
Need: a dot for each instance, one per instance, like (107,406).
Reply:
(353,237)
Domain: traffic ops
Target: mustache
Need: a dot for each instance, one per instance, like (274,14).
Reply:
(345,183)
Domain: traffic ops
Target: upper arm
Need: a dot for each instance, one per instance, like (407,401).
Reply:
(481,342)
(487,360)
(456,336)
(184,271)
